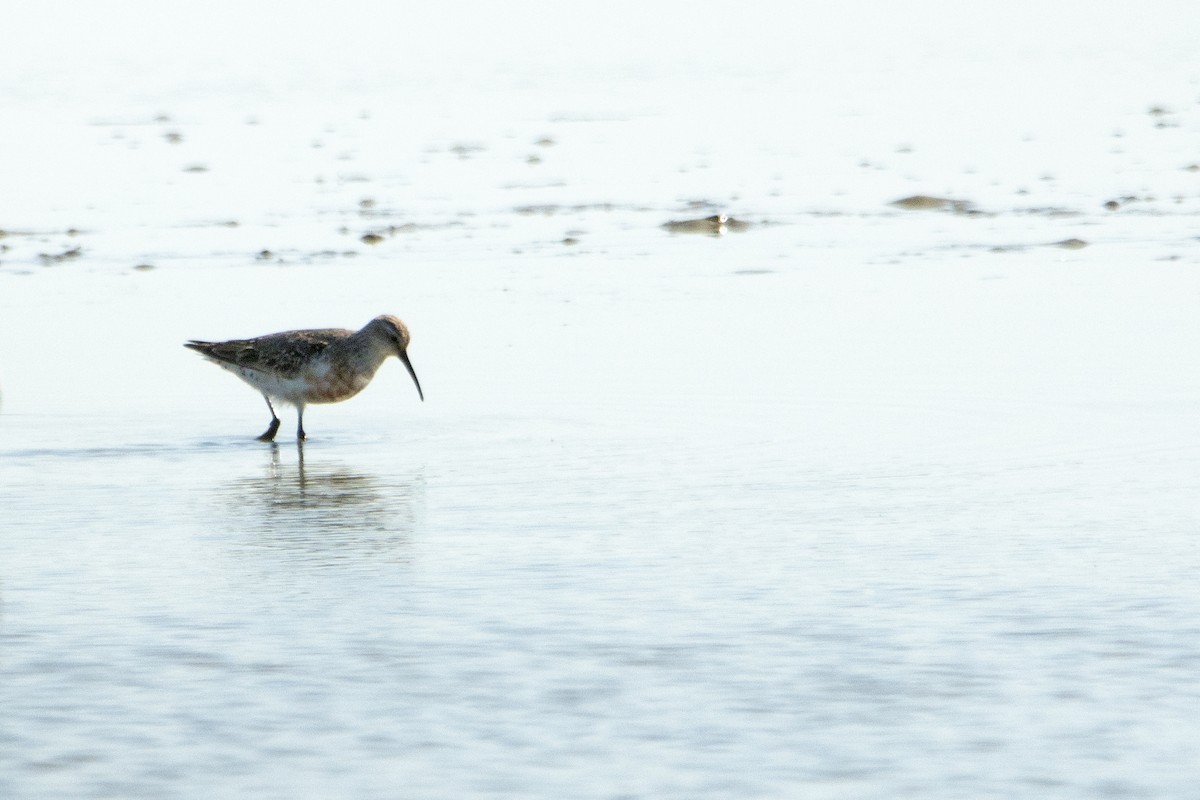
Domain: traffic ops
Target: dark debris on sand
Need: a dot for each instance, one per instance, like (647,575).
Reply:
(715,225)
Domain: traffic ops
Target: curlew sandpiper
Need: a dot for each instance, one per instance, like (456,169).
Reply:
(311,366)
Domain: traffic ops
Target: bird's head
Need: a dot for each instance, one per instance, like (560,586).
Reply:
(395,332)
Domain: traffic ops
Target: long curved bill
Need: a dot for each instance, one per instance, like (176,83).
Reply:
(408,366)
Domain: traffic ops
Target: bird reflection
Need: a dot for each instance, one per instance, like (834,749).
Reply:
(326,511)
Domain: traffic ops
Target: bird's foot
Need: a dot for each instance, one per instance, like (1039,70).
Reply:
(269,434)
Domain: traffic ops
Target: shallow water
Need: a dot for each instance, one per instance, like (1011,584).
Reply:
(852,501)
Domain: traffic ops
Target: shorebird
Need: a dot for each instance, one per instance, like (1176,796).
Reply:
(311,366)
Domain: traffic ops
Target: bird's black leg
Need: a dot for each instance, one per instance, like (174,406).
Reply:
(300,434)
(269,434)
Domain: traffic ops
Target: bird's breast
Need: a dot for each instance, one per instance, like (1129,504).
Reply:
(330,383)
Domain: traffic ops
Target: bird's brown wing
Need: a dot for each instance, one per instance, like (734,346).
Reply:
(284,354)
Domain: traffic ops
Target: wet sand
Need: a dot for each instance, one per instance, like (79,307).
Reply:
(885,490)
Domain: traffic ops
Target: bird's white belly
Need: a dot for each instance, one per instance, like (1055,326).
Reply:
(288,390)
(319,383)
